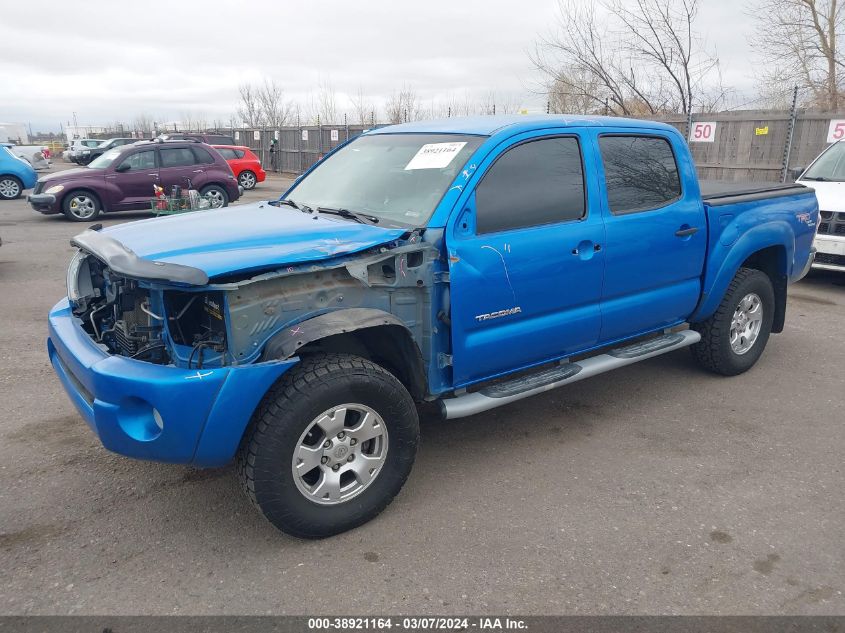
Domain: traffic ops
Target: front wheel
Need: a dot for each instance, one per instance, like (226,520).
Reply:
(81,206)
(330,446)
(10,187)
(216,196)
(734,337)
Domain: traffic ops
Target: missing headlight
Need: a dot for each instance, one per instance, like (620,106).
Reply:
(196,319)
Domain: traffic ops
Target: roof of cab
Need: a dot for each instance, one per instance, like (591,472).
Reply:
(489,125)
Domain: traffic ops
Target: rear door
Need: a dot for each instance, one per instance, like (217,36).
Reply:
(179,167)
(131,179)
(526,258)
(656,233)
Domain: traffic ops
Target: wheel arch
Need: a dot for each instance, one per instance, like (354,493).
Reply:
(769,248)
(88,190)
(772,261)
(373,334)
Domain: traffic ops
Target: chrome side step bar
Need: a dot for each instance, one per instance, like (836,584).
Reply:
(518,388)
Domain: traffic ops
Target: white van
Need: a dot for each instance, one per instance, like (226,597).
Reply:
(826,175)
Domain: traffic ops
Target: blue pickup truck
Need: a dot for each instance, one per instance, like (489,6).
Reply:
(466,263)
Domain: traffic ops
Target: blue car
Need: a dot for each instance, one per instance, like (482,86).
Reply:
(464,264)
(15,174)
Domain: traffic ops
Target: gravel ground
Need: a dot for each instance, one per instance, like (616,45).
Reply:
(654,489)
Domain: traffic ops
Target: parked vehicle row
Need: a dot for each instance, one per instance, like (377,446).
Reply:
(466,263)
(123,178)
(86,154)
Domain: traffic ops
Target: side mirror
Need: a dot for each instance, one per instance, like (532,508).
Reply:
(795,172)
(122,167)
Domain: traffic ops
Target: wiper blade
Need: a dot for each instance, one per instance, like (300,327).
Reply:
(290,203)
(816,178)
(351,215)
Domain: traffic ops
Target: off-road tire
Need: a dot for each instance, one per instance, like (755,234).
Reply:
(714,351)
(317,383)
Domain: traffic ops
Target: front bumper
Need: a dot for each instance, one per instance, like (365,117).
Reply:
(43,202)
(830,253)
(157,412)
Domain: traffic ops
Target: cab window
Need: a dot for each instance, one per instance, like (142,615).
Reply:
(534,183)
(640,173)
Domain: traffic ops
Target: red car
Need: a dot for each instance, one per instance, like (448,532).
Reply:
(245,165)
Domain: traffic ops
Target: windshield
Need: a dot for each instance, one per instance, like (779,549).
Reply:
(104,160)
(829,166)
(398,178)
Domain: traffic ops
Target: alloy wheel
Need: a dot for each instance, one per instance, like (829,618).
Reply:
(9,188)
(746,323)
(340,454)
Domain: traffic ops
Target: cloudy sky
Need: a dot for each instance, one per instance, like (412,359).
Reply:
(110,61)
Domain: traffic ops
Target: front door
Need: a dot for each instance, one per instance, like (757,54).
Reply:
(131,181)
(656,235)
(526,259)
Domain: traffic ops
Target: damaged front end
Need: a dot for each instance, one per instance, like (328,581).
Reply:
(142,318)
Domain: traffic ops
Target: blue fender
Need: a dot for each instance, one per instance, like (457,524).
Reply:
(726,256)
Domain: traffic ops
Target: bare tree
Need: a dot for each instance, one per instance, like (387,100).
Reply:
(322,106)
(143,123)
(403,105)
(363,110)
(249,109)
(630,58)
(798,41)
(276,111)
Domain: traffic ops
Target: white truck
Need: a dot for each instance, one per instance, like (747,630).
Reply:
(826,174)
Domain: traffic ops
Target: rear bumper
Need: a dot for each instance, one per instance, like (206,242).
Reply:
(43,202)
(156,412)
(260,175)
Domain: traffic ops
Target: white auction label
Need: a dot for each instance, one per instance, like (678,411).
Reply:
(435,155)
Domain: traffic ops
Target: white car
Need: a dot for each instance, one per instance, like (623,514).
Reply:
(826,175)
(76,147)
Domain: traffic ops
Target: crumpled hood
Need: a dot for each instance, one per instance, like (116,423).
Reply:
(247,237)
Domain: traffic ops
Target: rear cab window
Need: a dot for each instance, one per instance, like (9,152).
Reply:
(641,173)
(531,184)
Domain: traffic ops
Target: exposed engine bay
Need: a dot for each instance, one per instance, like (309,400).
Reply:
(147,324)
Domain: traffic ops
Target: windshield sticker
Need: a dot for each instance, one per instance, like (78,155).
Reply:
(435,156)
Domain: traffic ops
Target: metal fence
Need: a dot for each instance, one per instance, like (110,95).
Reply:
(748,145)
(296,148)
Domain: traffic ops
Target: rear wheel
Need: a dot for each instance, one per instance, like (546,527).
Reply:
(81,206)
(10,187)
(247,179)
(216,196)
(735,336)
(330,446)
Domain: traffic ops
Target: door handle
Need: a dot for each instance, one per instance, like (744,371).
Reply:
(577,250)
(686,232)
(153,175)
(198,171)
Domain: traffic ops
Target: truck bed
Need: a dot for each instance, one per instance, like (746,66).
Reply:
(717,193)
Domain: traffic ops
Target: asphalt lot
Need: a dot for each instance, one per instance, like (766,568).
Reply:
(654,489)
